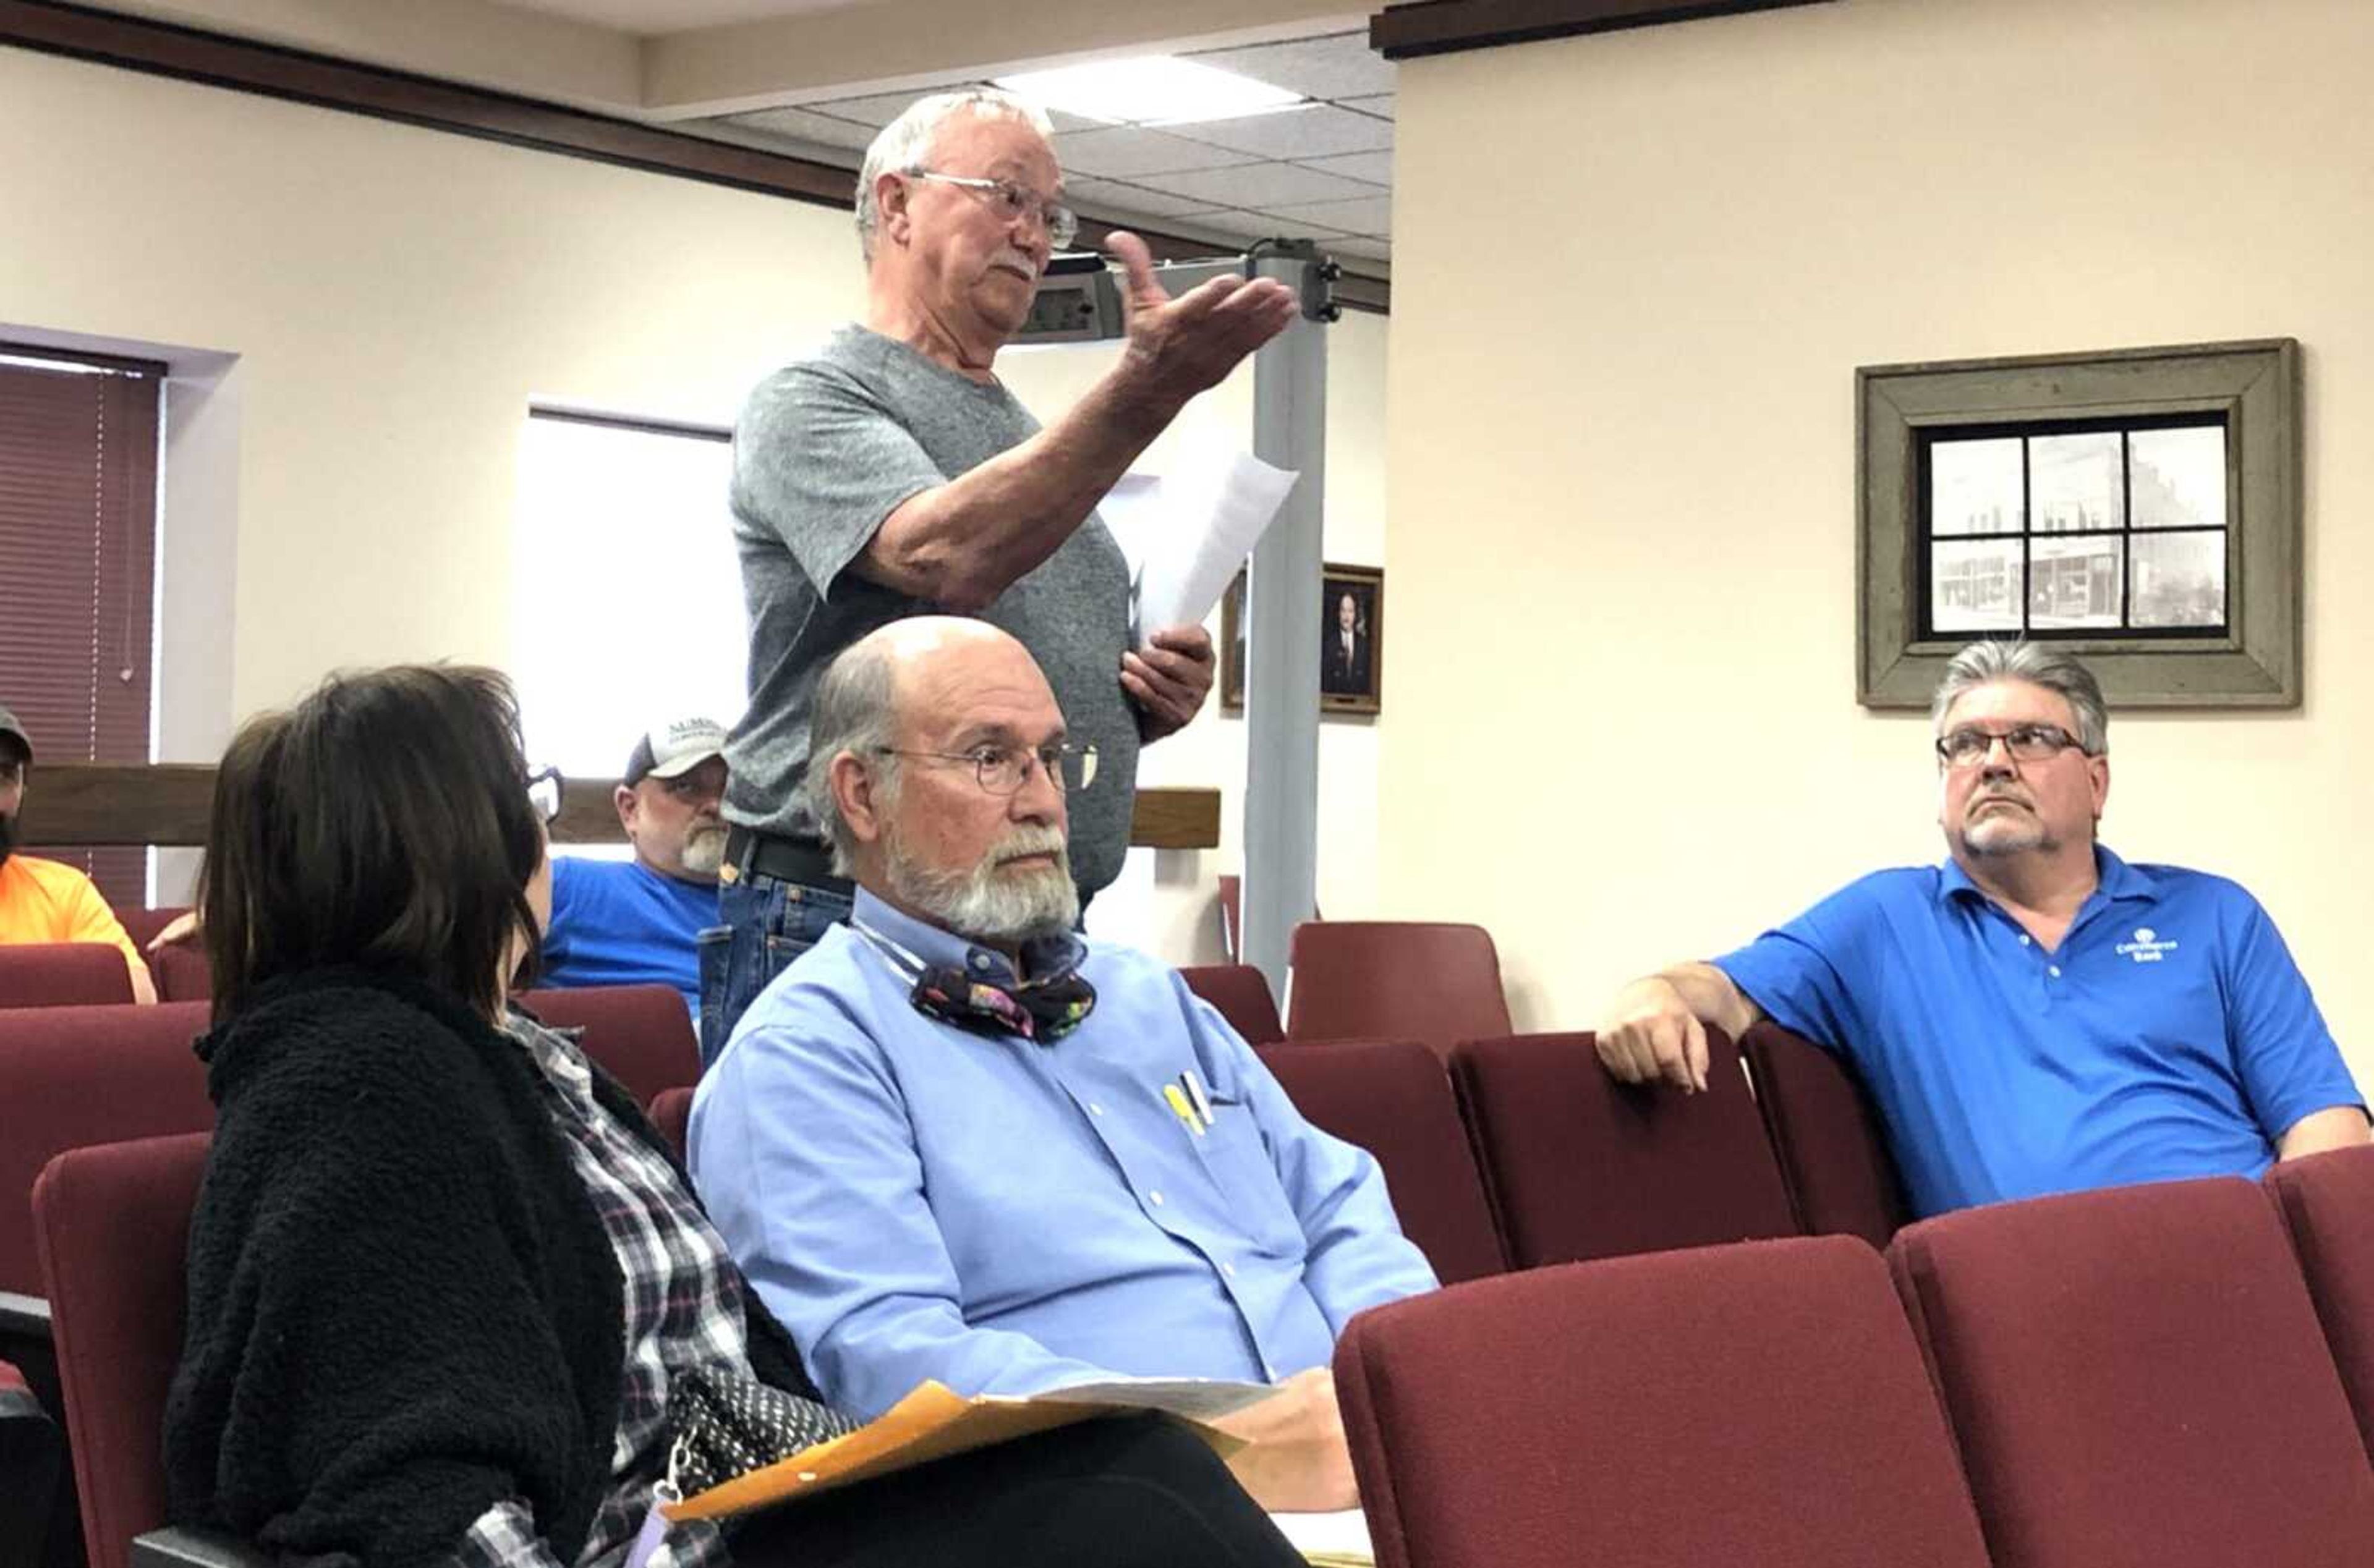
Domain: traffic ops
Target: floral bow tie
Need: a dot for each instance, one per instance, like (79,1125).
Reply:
(1043,1010)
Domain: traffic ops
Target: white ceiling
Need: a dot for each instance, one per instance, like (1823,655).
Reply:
(650,18)
(1322,172)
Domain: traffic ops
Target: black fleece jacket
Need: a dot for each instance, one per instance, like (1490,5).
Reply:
(403,1306)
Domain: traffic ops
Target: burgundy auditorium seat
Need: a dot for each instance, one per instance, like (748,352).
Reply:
(1762,1404)
(1240,993)
(1395,980)
(115,1222)
(671,1114)
(2137,1378)
(71,1076)
(641,1035)
(181,972)
(1827,1138)
(1393,1099)
(1580,1167)
(65,974)
(2327,1201)
(142,925)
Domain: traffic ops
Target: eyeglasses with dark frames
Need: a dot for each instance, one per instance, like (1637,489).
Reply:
(544,792)
(1003,770)
(1013,202)
(1970,745)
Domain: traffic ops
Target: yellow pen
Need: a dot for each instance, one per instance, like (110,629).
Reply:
(1177,1100)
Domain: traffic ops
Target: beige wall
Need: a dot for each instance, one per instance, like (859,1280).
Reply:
(379,305)
(1623,513)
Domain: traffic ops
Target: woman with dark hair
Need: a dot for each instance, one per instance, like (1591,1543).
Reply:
(442,1271)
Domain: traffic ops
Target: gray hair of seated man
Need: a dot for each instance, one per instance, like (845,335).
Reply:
(2037,663)
(855,709)
(905,142)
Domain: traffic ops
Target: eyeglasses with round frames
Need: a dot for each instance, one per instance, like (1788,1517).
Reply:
(1970,745)
(544,794)
(1012,202)
(1003,771)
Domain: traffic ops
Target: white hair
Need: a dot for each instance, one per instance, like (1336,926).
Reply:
(906,141)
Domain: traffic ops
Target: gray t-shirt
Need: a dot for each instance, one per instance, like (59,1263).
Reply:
(824,449)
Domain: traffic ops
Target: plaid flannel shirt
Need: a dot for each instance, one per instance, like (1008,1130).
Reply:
(683,1298)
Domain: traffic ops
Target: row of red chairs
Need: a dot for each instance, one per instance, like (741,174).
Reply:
(1518,1151)
(2145,1378)
(2152,1376)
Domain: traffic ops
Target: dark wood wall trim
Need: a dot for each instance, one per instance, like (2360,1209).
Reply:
(272,71)
(1450,27)
(78,804)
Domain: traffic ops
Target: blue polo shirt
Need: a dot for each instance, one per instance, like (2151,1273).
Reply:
(621,923)
(2169,1036)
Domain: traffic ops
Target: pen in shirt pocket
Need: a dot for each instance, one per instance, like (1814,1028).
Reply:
(1201,1102)
(1177,1101)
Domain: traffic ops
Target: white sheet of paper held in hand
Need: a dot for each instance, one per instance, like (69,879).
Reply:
(1194,527)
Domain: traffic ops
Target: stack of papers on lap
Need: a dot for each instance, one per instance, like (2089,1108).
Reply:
(933,1422)
(1330,1540)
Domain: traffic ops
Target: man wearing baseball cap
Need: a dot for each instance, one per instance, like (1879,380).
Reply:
(43,901)
(625,922)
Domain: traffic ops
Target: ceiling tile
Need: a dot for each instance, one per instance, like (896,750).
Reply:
(1260,185)
(1365,249)
(1338,65)
(1370,214)
(1375,167)
(1264,225)
(879,110)
(1320,131)
(1124,152)
(1381,106)
(805,125)
(1102,196)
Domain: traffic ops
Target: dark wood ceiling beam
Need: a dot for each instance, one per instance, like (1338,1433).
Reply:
(1450,27)
(272,71)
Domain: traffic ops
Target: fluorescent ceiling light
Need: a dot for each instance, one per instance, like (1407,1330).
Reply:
(1137,92)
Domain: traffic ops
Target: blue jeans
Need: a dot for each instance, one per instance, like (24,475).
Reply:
(767,922)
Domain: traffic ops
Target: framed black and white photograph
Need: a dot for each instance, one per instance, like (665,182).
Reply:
(2119,502)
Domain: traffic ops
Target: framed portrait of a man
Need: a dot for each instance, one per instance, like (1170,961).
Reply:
(1351,631)
(1351,636)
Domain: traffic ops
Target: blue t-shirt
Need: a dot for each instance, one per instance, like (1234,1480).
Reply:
(2170,1034)
(621,923)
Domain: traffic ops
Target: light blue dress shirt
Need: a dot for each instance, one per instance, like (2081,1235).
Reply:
(913,1200)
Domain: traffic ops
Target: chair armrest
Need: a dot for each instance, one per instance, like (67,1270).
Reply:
(186,1546)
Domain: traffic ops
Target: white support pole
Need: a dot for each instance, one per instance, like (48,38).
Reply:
(1281,825)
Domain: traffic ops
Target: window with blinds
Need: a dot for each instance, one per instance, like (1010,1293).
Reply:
(78,439)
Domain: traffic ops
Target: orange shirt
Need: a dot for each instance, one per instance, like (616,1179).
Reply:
(44,901)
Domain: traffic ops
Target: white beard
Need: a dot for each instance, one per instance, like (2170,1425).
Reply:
(989,904)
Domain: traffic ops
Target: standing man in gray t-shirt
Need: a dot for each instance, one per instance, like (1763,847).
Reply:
(893,475)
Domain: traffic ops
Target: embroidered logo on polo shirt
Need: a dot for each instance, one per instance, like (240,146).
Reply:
(2146,948)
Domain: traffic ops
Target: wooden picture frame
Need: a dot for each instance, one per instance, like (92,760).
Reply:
(1351,671)
(2251,658)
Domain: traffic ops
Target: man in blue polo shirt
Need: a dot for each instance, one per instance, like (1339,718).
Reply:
(954,1141)
(2033,1015)
(635,921)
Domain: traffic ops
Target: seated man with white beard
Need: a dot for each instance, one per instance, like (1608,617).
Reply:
(635,921)
(954,1141)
